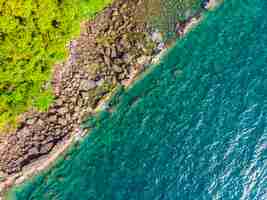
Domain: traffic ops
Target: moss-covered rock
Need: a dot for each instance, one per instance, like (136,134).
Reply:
(99,92)
(164,14)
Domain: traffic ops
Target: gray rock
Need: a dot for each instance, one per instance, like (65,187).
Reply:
(62,111)
(62,121)
(86,85)
(113,52)
(46,148)
(59,102)
(108,51)
(107,60)
(52,118)
(33,151)
(117,68)
(68,117)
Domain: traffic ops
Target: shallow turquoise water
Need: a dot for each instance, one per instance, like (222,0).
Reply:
(193,128)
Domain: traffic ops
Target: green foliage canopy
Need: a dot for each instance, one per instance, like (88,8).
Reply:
(33,35)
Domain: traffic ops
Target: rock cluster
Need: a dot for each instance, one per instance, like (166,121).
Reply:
(110,47)
(39,132)
(118,40)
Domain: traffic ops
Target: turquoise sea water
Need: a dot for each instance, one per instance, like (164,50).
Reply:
(195,127)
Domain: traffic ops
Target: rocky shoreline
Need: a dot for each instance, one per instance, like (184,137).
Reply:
(107,54)
(112,50)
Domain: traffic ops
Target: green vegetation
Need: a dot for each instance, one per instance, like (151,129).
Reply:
(33,36)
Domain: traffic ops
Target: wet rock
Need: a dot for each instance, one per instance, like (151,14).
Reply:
(205,3)
(45,148)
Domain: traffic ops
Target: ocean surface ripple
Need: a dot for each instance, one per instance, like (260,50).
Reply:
(193,128)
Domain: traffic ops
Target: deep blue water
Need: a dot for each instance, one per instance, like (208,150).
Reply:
(193,128)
